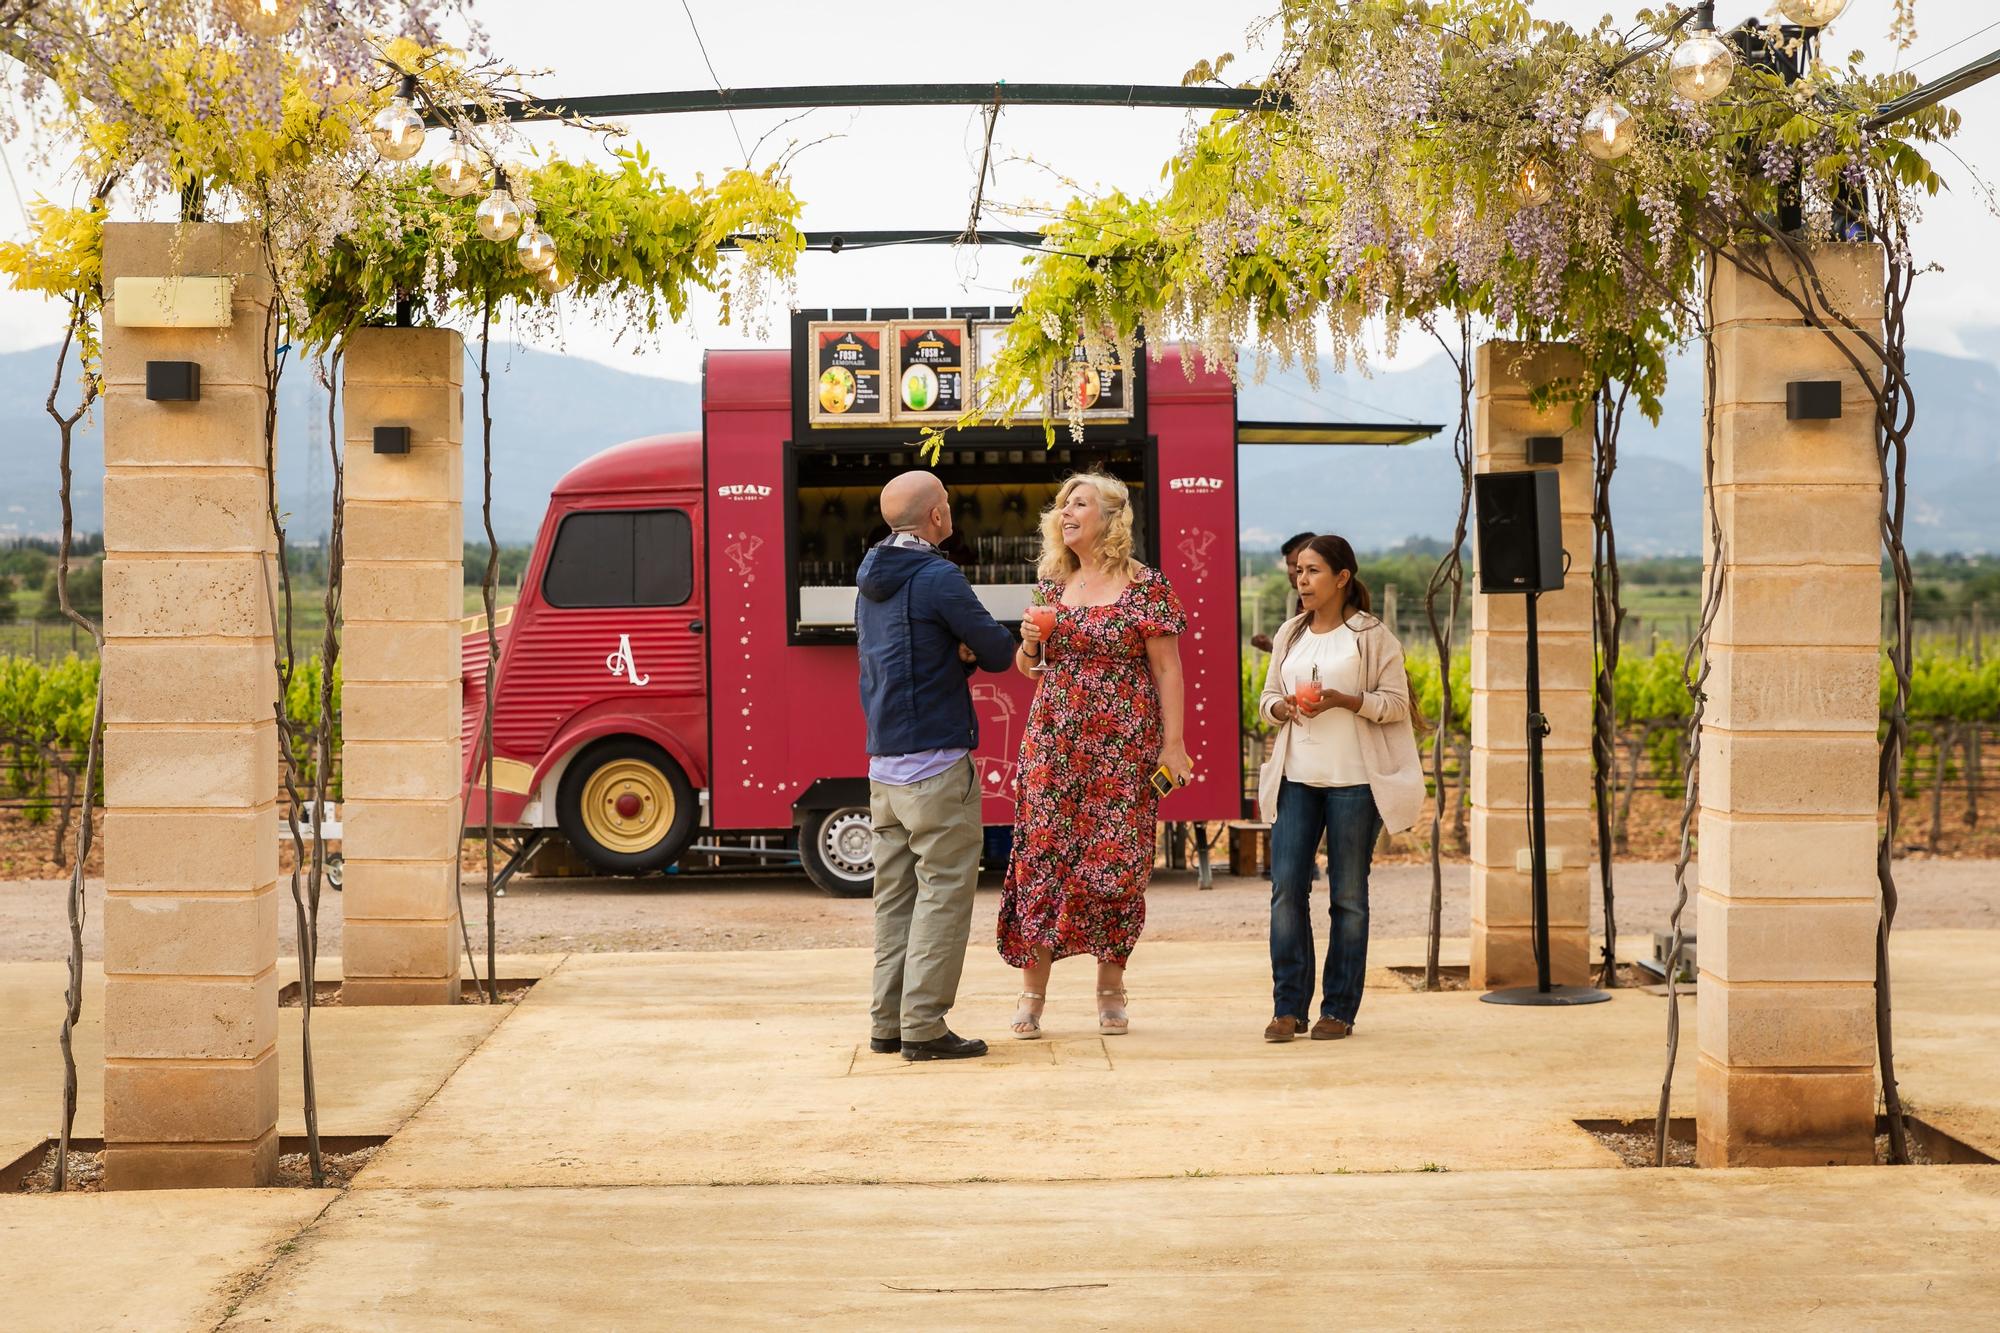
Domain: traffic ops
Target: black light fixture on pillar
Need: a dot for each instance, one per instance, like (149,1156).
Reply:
(173,381)
(392,439)
(1519,534)
(1812,400)
(1544,450)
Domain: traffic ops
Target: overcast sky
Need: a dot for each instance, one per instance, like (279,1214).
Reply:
(916,167)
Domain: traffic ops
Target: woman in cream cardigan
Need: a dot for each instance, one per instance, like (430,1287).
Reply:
(1344,768)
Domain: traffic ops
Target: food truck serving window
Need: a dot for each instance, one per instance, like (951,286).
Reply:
(622,557)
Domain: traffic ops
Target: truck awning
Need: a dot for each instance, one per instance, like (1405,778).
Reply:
(1333,432)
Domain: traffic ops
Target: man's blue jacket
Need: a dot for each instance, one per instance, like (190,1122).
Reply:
(913,611)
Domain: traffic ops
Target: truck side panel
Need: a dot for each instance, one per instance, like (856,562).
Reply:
(1195,423)
(780,717)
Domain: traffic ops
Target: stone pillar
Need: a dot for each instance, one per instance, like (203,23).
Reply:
(1502,940)
(403,599)
(1788,897)
(190,743)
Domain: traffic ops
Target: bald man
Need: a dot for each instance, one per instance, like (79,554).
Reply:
(919,623)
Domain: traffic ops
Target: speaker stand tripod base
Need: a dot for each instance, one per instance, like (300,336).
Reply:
(1554,995)
(1541,993)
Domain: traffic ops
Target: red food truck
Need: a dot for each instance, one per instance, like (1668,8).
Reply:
(680,662)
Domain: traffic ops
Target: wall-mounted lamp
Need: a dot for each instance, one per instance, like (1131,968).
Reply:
(392,439)
(1812,400)
(1545,449)
(173,382)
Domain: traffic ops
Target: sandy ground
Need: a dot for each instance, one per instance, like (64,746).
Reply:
(785,912)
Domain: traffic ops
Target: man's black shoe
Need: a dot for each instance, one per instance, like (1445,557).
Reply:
(885,1045)
(950,1046)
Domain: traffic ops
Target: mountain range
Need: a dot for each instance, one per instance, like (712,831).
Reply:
(552,411)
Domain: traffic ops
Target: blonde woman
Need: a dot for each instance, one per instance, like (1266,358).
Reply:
(1344,767)
(1107,713)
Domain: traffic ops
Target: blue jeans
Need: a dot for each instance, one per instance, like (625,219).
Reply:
(1345,817)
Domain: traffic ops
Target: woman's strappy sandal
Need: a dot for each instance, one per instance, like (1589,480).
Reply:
(1033,1030)
(1112,1022)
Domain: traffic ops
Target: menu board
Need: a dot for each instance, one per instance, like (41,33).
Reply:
(1104,393)
(847,365)
(987,340)
(931,369)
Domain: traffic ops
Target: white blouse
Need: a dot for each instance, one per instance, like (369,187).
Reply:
(1325,750)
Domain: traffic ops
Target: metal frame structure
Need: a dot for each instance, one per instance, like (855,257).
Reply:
(814,96)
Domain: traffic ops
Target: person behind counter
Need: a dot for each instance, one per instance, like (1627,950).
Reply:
(1289,556)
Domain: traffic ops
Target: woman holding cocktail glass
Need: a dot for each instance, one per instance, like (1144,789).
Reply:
(1344,767)
(1104,648)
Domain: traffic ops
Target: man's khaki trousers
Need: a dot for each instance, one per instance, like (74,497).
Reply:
(927,843)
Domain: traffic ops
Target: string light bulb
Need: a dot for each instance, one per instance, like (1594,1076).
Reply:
(265,18)
(536,251)
(1609,130)
(499,217)
(1812,13)
(1701,66)
(397,130)
(554,278)
(1535,182)
(459,172)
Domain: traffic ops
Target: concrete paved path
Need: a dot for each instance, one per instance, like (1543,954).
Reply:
(1584,1250)
(566,1169)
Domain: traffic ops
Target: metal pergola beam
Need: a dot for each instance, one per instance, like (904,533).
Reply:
(1937,90)
(834,242)
(1333,432)
(810,96)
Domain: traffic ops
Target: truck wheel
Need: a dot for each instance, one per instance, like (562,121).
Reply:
(626,807)
(837,848)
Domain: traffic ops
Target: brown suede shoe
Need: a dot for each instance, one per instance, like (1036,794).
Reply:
(1330,1029)
(1283,1028)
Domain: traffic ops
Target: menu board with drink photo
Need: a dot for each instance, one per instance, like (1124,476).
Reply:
(847,369)
(930,369)
(1104,392)
(987,340)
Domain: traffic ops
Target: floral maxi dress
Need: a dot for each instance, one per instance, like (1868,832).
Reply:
(1085,807)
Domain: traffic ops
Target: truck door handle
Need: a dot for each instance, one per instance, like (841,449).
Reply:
(694,627)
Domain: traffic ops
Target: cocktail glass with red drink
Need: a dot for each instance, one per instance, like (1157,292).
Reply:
(1308,693)
(1043,617)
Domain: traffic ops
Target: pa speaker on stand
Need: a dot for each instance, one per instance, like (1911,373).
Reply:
(1518,532)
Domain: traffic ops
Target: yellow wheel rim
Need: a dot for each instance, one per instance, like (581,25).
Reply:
(628,806)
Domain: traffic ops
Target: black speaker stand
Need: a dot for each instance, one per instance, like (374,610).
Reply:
(1541,993)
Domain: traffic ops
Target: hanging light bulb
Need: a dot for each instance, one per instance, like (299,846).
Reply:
(535,250)
(1812,13)
(499,217)
(459,172)
(1609,130)
(1535,182)
(1701,66)
(264,18)
(397,130)
(554,278)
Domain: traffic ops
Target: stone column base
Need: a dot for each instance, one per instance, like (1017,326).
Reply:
(173,1166)
(1775,1117)
(1504,956)
(399,990)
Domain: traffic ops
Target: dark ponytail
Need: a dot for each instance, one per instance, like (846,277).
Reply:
(1338,556)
